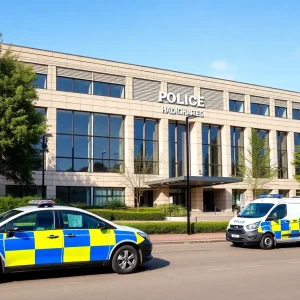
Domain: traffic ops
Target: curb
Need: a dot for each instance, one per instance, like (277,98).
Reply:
(189,242)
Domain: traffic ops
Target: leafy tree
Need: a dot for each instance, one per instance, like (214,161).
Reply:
(21,126)
(296,163)
(255,165)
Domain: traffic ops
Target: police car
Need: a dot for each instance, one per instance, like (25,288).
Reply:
(266,221)
(43,235)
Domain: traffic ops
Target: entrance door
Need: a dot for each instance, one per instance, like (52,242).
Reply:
(147,199)
(208,201)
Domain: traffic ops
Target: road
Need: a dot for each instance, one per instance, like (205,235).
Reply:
(186,271)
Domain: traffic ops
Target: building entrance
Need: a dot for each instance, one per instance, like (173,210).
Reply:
(208,201)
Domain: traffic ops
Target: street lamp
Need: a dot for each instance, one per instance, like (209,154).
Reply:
(43,168)
(188,186)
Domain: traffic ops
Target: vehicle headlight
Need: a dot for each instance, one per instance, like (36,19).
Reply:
(253,226)
(144,235)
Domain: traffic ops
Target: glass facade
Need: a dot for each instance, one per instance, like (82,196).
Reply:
(211,150)
(145,146)
(296,114)
(20,191)
(282,160)
(67,84)
(280,112)
(236,106)
(260,109)
(177,151)
(297,147)
(103,195)
(74,195)
(237,148)
(87,142)
(40,81)
(108,89)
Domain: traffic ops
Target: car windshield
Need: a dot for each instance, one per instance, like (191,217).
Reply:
(9,214)
(255,210)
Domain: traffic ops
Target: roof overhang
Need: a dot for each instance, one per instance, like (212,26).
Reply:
(195,181)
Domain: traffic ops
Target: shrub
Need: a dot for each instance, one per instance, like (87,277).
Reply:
(8,203)
(172,210)
(176,227)
(115,204)
(127,215)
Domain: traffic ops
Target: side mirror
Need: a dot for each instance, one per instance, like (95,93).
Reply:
(273,217)
(101,226)
(11,231)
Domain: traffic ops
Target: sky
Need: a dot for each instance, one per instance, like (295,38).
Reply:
(253,41)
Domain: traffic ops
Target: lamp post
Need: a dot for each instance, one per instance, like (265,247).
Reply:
(43,163)
(188,186)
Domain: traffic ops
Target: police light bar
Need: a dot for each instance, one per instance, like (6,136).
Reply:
(278,196)
(41,202)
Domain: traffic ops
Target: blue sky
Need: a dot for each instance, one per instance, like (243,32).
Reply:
(250,41)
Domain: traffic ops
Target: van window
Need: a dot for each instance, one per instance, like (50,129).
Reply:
(280,210)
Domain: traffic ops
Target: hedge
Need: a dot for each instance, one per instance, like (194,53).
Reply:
(177,227)
(128,215)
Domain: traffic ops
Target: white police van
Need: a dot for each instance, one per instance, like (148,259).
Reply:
(266,221)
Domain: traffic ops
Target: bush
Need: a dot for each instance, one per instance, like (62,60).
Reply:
(128,215)
(115,204)
(177,227)
(172,210)
(8,203)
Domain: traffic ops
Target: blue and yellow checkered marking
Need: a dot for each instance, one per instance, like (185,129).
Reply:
(34,248)
(282,229)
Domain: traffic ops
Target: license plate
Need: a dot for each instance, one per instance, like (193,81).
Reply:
(235,236)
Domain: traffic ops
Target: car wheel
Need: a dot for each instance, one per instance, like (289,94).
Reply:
(238,244)
(125,260)
(267,242)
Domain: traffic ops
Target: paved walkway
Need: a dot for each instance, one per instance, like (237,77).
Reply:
(184,238)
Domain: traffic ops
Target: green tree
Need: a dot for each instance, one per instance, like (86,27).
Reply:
(296,163)
(21,127)
(255,165)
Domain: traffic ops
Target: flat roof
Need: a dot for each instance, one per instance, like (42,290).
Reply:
(195,181)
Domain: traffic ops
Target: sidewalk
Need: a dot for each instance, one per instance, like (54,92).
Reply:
(185,239)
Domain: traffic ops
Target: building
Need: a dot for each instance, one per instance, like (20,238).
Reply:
(103,113)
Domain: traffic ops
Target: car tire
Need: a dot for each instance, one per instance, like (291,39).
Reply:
(125,260)
(238,244)
(267,241)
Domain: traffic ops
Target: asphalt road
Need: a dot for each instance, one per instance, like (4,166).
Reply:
(187,271)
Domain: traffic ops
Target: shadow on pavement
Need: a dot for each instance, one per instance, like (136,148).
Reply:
(278,246)
(154,264)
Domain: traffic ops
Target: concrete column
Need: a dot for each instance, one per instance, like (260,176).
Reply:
(273,146)
(161,196)
(247,135)
(290,154)
(226,100)
(129,197)
(51,78)
(51,192)
(272,107)
(196,148)
(129,143)
(51,155)
(226,157)
(289,109)
(197,91)
(129,88)
(223,199)
(164,87)
(247,104)
(197,199)
(163,154)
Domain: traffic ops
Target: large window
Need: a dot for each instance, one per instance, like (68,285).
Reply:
(280,112)
(40,81)
(236,106)
(282,154)
(264,134)
(176,149)
(237,148)
(108,89)
(211,150)
(145,146)
(103,195)
(19,191)
(260,109)
(87,142)
(296,114)
(67,84)
(297,148)
(74,195)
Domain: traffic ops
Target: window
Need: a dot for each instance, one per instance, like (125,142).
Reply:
(103,195)
(145,146)
(78,220)
(236,106)
(7,215)
(280,112)
(280,210)
(237,148)
(176,149)
(211,150)
(66,84)
(19,191)
(282,154)
(108,89)
(296,114)
(42,220)
(284,193)
(40,81)
(298,193)
(297,148)
(178,196)
(264,134)
(260,109)
(74,195)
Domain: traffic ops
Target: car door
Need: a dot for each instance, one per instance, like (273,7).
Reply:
(85,239)
(32,239)
(280,224)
